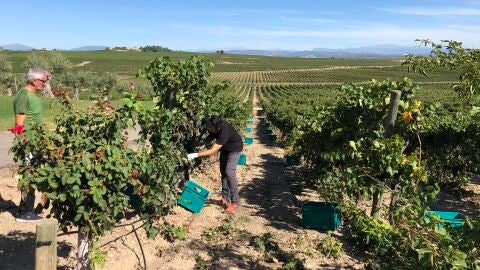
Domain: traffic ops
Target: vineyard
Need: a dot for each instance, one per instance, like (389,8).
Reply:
(386,142)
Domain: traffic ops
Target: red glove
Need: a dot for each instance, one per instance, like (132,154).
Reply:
(18,129)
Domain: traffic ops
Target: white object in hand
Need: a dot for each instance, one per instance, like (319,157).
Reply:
(192,156)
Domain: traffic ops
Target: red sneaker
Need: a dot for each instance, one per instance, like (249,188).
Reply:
(231,208)
(224,202)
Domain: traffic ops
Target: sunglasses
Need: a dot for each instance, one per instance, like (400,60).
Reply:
(43,81)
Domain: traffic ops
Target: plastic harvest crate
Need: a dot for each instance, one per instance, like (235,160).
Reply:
(193,197)
(242,160)
(321,215)
(292,160)
(248,130)
(249,122)
(455,219)
(248,140)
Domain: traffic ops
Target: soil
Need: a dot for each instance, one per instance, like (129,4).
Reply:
(214,239)
(82,64)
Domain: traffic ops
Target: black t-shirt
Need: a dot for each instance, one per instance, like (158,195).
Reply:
(228,138)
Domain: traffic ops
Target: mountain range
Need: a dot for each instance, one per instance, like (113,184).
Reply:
(16,47)
(22,47)
(376,51)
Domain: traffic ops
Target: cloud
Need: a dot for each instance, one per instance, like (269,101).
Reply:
(434,11)
(360,34)
(307,20)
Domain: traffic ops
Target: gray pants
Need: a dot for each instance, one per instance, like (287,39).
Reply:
(228,170)
(27,199)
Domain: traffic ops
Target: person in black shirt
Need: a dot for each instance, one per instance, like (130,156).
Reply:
(230,145)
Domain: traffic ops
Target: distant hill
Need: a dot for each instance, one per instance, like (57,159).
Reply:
(377,51)
(16,47)
(89,48)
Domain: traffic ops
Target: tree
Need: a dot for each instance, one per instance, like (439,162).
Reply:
(450,54)
(154,48)
(77,80)
(58,63)
(105,83)
(6,76)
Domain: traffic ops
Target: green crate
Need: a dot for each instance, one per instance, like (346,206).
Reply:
(455,219)
(248,130)
(292,160)
(249,122)
(250,118)
(193,197)
(242,160)
(321,215)
(248,140)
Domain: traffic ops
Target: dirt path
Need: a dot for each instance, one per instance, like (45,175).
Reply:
(82,64)
(268,206)
(6,158)
(213,238)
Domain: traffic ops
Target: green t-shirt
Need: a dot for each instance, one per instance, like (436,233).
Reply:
(30,104)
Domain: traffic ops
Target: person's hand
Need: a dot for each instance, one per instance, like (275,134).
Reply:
(199,147)
(192,156)
(18,129)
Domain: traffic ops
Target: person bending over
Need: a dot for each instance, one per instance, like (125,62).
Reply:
(230,145)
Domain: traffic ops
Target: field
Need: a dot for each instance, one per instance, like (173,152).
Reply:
(319,77)
(128,63)
(339,143)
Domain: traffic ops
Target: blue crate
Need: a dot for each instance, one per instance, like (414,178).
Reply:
(248,130)
(292,160)
(455,219)
(248,140)
(193,197)
(242,160)
(321,215)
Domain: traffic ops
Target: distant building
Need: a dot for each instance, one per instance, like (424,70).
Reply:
(123,49)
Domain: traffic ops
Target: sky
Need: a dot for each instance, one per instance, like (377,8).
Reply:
(194,25)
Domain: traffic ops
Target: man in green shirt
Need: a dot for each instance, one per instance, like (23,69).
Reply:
(28,111)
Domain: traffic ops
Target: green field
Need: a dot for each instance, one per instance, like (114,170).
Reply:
(276,78)
(129,62)
(51,109)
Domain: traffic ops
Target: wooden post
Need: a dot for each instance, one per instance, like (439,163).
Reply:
(392,113)
(46,245)
(389,130)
